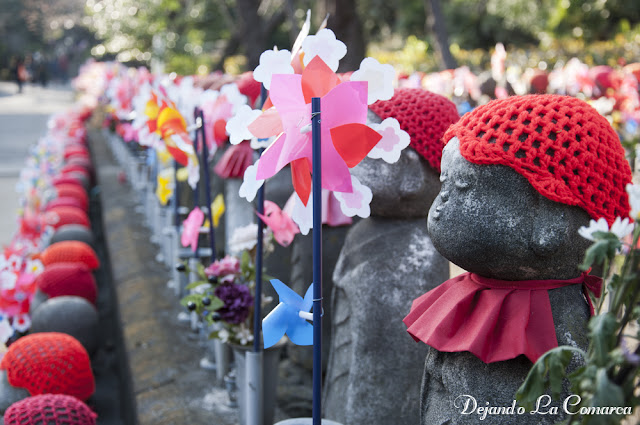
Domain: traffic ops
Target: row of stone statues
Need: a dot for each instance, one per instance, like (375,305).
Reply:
(504,200)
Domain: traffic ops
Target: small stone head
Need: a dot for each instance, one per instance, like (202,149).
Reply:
(408,187)
(519,178)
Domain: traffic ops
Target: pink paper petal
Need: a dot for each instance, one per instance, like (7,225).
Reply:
(191,229)
(267,125)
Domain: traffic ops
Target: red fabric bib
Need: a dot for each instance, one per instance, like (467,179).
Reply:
(494,319)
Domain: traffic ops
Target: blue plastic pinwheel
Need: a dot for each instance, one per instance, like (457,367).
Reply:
(286,317)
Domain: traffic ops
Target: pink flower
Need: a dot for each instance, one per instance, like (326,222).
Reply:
(229,265)
(191,229)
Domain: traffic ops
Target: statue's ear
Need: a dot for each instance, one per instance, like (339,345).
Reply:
(551,226)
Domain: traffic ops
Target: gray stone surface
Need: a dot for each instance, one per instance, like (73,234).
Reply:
(387,261)
(74,316)
(490,220)
(8,393)
(73,232)
(38,298)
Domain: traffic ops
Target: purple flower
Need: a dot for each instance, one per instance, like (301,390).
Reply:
(220,268)
(237,302)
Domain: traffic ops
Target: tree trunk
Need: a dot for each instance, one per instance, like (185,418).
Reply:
(437,27)
(252,30)
(345,23)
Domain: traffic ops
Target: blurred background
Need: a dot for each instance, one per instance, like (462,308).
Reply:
(53,38)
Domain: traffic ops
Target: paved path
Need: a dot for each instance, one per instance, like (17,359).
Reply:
(23,119)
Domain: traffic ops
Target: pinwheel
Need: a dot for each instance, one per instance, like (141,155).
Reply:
(280,223)
(289,317)
(191,229)
(173,128)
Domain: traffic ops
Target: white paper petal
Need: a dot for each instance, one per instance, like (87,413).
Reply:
(250,184)
(325,45)
(238,125)
(301,215)
(379,77)
(394,140)
(272,62)
(355,203)
(193,169)
(6,331)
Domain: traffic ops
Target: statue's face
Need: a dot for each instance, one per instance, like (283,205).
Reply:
(489,220)
(404,189)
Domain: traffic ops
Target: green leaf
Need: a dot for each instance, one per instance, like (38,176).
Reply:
(549,370)
(603,248)
(214,335)
(197,283)
(191,297)
(200,268)
(602,332)
(606,394)
(216,304)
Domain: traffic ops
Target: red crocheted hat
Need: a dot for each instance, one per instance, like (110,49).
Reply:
(249,87)
(422,114)
(70,252)
(60,279)
(564,147)
(49,362)
(65,201)
(49,409)
(75,191)
(63,215)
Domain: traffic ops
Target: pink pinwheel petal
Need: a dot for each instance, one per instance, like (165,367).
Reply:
(191,229)
(286,95)
(283,227)
(267,125)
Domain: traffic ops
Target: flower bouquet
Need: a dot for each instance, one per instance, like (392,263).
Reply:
(224,292)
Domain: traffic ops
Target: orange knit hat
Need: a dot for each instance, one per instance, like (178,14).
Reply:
(70,252)
(422,114)
(53,409)
(62,215)
(564,147)
(49,362)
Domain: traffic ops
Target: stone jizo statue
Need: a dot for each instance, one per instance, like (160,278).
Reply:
(519,177)
(386,261)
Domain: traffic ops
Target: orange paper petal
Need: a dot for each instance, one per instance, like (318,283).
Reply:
(318,79)
(301,178)
(354,141)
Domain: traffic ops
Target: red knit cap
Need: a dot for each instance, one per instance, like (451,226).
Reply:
(75,191)
(249,87)
(49,362)
(63,215)
(60,279)
(422,114)
(564,147)
(65,201)
(49,409)
(70,252)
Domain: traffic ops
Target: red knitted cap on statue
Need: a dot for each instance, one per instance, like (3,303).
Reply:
(422,114)
(60,279)
(49,409)
(565,148)
(65,201)
(70,252)
(49,362)
(63,215)
(73,191)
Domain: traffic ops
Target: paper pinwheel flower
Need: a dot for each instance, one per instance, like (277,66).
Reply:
(286,317)
(346,137)
(217,209)
(380,78)
(165,185)
(282,226)
(191,229)
(173,128)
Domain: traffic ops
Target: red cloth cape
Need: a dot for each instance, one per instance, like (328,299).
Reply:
(494,319)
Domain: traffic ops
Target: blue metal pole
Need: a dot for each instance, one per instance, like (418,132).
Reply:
(176,196)
(317,260)
(207,182)
(257,306)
